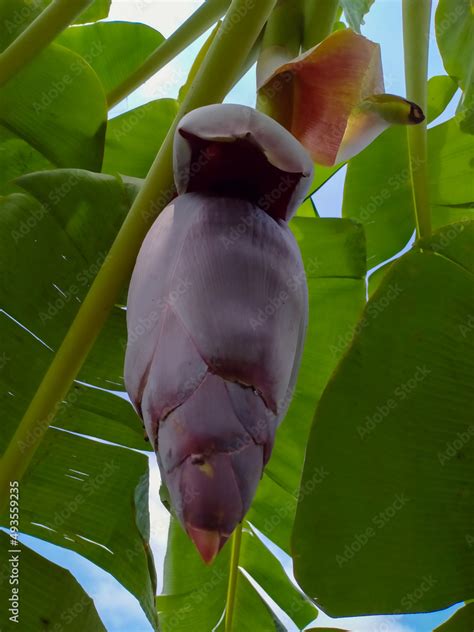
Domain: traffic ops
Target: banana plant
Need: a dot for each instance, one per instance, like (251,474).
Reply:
(169,291)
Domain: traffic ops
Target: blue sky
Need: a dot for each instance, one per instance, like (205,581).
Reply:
(119,610)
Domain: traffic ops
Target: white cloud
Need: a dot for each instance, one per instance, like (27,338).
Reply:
(163,16)
(118,608)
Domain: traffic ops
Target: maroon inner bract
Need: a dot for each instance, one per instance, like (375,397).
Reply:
(239,169)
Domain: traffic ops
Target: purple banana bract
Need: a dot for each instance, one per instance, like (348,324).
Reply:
(217,312)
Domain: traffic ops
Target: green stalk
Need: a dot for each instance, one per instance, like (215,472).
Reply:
(319,19)
(198,61)
(218,72)
(282,38)
(251,59)
(416,37)
(39,34)
(249,62)
(186,34)
(233,576)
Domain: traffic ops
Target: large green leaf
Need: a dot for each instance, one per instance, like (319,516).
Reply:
(451,166)
(451,173)
(334,256)
(133,138)
(441,90)
(113,49)
(354,10)
(385,531)
(50,254)
(97,413)
(455,34)
(86,410)
(16,158)
(79,494)
(63,236)
(16,15)
(261,564)
(378,191)
(465,109)
(98,10)
(57,105)
(72,201)
(273,510)
(194,595)
(42,605)
(461,621)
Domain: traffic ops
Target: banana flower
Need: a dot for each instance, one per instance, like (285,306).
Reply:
(216,314)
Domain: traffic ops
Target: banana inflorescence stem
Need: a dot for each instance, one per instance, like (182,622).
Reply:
(233,577)
(416,37)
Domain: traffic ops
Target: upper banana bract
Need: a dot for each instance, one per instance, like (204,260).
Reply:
(332,97)
(217,312)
